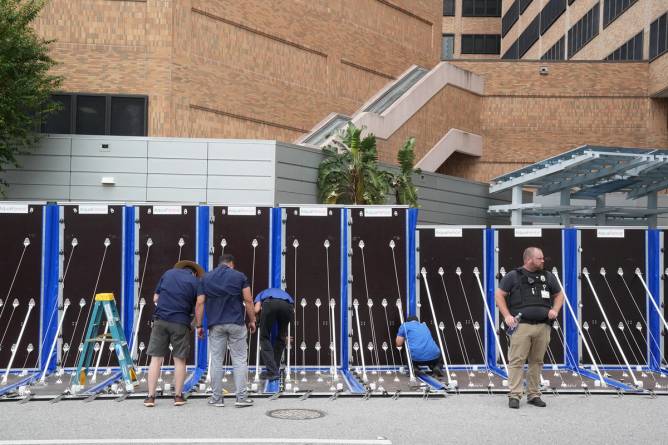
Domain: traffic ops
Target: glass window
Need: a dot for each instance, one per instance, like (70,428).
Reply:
(448,48)
(60,121)
(128,116)
(448,8)
(91,114)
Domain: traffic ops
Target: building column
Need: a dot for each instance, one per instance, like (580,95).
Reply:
(565,200)
(600,205)
(516,214)
(652,203)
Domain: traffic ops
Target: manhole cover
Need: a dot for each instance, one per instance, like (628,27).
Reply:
(295,414)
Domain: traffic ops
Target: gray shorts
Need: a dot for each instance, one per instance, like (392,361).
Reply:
(166,332)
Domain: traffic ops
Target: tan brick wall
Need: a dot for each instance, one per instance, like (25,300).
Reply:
(658,76)
(257,69)
(451,107)
(527,117)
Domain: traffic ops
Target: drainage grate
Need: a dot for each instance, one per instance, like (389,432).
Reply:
(295,414)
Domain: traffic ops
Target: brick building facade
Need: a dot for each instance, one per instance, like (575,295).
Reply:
(253,70)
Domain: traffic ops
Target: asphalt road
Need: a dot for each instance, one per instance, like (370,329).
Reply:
(480,419)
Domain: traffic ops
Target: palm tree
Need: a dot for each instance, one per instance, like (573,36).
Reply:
(349,174)
(404,190)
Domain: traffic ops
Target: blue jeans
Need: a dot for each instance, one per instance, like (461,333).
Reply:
(234,335)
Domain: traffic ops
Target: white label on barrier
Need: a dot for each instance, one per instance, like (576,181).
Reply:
(166,210)
(528,232)
(373,212)
(93,209)
(13,208)
(609,233)
(241,211)
(448,232)
(313,211)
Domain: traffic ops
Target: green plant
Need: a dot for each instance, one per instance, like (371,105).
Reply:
(25,82)
(405,191)
(349,174)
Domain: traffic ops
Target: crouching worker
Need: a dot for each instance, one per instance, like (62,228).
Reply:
(275,306)
(422,347)
(175,298)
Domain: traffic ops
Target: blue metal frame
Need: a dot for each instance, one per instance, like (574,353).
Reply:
(343,344)
(50,281)
(488,274)
(202,256)
(128,272)
(654,284)
(411,271)
(275,247)
(569,277)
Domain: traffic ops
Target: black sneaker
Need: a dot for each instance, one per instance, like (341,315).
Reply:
(149,401)
(435,370)
(266,375)
(537,401)
(179,400)
(514,403)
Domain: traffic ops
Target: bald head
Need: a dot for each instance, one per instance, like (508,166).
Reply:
(533,259)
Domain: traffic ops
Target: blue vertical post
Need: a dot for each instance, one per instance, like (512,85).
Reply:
(202,255)
(489,282)
(569,277)
(128,296)
(411,271)
(343,258)
(654,285)
(50,271)
(275,247)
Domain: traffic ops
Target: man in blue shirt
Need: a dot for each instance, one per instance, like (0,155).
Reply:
(275,306)
(421,345)
(225,291)
(175,298)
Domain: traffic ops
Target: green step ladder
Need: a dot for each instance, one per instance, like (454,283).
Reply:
(104,304)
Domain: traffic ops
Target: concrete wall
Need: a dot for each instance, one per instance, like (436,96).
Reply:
(443,199)
(256,172)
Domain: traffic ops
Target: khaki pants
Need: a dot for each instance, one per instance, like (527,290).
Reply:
(528,342)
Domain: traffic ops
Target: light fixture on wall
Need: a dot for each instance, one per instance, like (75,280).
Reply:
(108,180)
(544,71)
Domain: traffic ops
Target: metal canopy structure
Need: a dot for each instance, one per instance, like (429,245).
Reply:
(587,172)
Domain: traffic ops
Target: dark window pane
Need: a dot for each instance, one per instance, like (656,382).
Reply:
(467,8)
(127,116)
(91,114)
(59,121)
(448,7)
(663,30)
(653,38)
(510,17)
(467,44)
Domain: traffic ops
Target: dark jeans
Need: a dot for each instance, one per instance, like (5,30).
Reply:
(430,364)
(274,311)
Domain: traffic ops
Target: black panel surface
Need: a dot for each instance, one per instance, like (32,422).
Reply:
(26,264)
(165,232)
(611,254)
(511,249)
(82,265)
(239,231)
(450,295)
(312,282)
(381,280)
